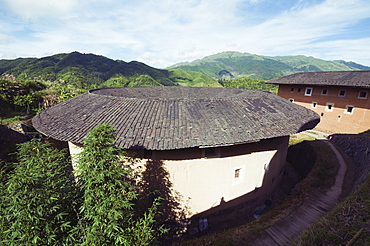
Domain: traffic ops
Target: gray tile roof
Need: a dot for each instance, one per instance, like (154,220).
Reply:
(163,118)
(336,78)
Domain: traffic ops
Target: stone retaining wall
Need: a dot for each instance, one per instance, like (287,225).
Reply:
(358,148)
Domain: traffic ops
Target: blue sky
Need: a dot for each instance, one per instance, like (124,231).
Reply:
(164,32)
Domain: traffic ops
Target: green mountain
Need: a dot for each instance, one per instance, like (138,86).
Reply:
(93,71)
(231,64)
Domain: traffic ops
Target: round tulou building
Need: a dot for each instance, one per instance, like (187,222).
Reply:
(220,147)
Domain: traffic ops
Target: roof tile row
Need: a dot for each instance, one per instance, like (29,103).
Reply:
(336,78)
(163,118)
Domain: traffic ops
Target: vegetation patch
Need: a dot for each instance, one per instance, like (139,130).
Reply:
(248,83)
(22,98)
(344,224)
(89,71)
(236,65)
(45,202)
(298,138)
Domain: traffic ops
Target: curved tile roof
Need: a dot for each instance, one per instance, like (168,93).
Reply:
(164,118)
(337,78)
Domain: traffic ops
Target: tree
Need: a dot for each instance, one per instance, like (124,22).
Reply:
(107,212)
(41,202)
(24,101)
(37,198)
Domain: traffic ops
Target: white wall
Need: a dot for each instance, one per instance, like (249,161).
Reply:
(204,182)
(73,151)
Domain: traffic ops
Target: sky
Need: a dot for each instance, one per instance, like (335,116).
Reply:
(161,33)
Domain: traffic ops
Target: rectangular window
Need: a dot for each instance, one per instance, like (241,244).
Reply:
(329,107)
(362,94)
(291,89)
(291,100)
(342,93)
(237,173)
(349,109)
(308,91)
(299,89)
(324,92)
(314,105)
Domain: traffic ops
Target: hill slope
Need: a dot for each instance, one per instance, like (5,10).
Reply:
(93,71)
(233,64)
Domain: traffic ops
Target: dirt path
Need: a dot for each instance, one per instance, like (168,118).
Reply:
(314,208)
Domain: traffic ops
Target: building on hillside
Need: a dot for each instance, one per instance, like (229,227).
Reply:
(341,98)
(216,144)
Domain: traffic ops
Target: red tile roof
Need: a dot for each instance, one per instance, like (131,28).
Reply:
(163,118)
(337,78)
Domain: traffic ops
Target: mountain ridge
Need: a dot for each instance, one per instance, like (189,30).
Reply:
(245,64)
(91,71)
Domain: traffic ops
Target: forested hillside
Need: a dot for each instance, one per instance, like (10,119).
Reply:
(229,65)
(29,85)
(88,71)
(26,97)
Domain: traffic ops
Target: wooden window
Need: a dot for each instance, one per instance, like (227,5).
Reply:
(324,92)
(308,91)
(362,94)
(342,93)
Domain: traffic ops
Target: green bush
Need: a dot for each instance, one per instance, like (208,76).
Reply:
(43,204)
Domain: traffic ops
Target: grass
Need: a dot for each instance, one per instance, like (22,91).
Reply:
(11,120)
(343,225)
(323,175)
(321,178)
(296,138)
(339,226)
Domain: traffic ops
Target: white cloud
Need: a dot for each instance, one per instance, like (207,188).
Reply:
(5,39)
(291,32)
(164,32)
(349,50)
(31,10)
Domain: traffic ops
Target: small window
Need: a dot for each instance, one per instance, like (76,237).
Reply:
(308,91)
(237,173)
(329,107)
(324,92)
(291,89)
(342,93)
(314,105)
(299,90)
(291,100)
(362,94)
(349,109)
